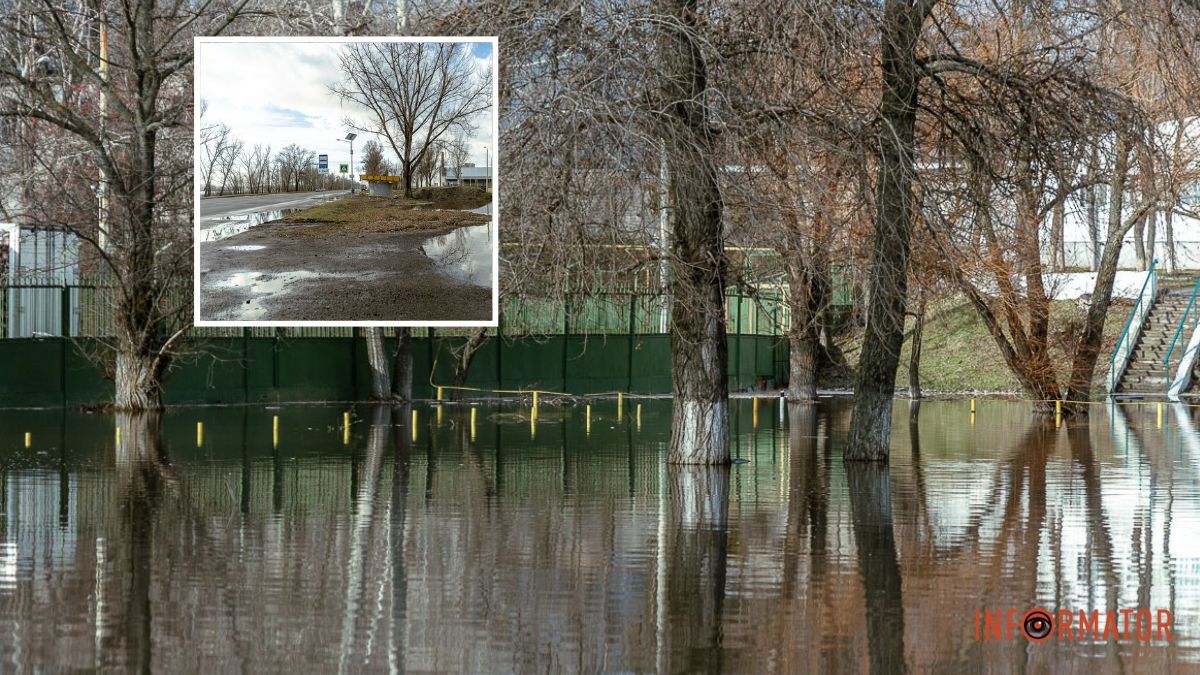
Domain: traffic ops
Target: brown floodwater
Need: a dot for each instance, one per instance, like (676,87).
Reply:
(487,541)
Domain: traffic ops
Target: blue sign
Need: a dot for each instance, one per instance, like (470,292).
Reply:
(323,162)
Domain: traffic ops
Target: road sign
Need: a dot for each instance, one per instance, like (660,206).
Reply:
(343,168)
(323,162)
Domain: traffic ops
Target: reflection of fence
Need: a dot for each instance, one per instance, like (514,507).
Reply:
(34,306)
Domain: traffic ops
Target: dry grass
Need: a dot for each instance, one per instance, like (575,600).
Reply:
(363,214)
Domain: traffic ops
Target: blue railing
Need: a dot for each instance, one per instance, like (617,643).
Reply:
(1187,313)
(1133,328)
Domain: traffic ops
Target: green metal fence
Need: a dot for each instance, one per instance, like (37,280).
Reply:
(40,306)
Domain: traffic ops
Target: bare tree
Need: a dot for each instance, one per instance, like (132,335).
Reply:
(870,430)
(416,92)
(373,162)
(139,150)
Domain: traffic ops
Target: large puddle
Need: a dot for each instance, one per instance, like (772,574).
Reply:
(464,253)
(222,227)
(257,288)
(477,539)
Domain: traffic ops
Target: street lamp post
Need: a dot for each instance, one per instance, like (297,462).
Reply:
(350,139)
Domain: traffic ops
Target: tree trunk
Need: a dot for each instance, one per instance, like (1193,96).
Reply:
(1139,245)
(804,336)
(1151,235)
(1087,350)
(381,381)
(914,356)
(1058,255)
(1169,232)
(699,361)
(402,372)
(463,367)
(137,385)
(871,425)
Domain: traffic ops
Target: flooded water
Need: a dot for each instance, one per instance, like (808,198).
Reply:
(487,541)
(464,253)
(216,228)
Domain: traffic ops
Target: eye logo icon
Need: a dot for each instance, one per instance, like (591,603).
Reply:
(1037,625)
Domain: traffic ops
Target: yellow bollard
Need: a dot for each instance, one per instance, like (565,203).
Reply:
(473,411)
(639,417)
(118,437)
(588,419)
(1058,407)
(972,420)
(1158,424)
(439,393)
(972,406)
(535,402)
(532,427)
(414,425)
(199,434)
(620,407)
(439,415)
(275,431)
(28,439)
(346,428)
(755,410)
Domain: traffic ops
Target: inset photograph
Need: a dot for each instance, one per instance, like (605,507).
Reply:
(345,181)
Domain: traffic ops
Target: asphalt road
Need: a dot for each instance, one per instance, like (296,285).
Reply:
(222,206)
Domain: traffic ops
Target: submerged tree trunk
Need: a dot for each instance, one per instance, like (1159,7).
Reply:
(138,387)
(699,360)
(402,368)
(871,426)
(381,381)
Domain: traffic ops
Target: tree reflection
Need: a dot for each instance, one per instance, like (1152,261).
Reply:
(142,474)
(695,551)
(870,490)
(402,462)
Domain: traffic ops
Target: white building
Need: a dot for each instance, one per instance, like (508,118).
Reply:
(478,176)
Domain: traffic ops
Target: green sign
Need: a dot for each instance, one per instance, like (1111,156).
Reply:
(344,168)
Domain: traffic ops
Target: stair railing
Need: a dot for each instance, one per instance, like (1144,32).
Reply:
(1133,328)
(1193,313)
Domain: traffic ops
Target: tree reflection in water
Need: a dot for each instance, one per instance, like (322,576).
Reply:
(696,547)
(580,549)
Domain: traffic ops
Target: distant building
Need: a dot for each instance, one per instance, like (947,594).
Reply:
(478,176)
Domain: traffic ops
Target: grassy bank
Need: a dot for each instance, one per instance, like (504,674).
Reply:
(959,355)
(429,209)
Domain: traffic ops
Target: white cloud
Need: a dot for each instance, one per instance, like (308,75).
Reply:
(278,93)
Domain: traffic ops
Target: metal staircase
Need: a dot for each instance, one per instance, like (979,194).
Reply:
(1156,352)
(1146,372)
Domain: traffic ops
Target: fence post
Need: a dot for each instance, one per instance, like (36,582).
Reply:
(65,310)
(629,355)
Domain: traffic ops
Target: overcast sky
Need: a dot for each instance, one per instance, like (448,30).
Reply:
(278,93)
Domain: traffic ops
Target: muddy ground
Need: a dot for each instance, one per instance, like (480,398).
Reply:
(325,270)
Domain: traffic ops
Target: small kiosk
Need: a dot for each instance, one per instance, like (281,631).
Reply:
(380,186)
